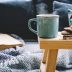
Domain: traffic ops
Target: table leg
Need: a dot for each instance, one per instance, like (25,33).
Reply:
(51,60)
(45,56)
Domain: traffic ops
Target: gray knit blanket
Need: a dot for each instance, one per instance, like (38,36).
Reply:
(28,58)
(21,59)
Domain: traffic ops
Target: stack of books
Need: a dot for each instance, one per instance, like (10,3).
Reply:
(67,33)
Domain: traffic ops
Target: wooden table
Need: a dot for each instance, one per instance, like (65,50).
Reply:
(6,41)
(51,47)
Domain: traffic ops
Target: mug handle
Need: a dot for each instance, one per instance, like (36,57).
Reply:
(29,25)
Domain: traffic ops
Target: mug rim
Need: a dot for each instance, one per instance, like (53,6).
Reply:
(47,15)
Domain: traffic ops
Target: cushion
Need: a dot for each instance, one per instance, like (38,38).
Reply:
(61,9)
(14,16)
(64,1)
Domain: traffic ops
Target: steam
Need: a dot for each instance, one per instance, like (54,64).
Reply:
(42,8)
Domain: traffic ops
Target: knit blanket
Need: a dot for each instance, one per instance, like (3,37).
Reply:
(21,59)
(28,58)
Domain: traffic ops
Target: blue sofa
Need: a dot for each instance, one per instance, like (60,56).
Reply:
(14,16)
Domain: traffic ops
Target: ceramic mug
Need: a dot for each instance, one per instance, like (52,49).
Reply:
(47,25)
(70,18)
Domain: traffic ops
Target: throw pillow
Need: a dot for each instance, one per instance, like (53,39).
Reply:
(62,10)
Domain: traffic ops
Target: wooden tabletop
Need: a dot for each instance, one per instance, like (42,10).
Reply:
(55,43)
(6,41)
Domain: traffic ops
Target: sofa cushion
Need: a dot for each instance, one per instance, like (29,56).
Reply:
(62,10)
(64,1)
(14,16)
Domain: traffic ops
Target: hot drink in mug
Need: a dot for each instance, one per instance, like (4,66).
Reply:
(47,25)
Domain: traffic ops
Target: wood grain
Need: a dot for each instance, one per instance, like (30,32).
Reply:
(6,41)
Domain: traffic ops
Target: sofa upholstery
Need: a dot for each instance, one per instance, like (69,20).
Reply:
(56,7)
(14,15)
(62,10)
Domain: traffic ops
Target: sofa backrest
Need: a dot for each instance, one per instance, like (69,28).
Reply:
(14,16)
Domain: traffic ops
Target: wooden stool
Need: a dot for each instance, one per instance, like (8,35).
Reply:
(51,47)
(6,41)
